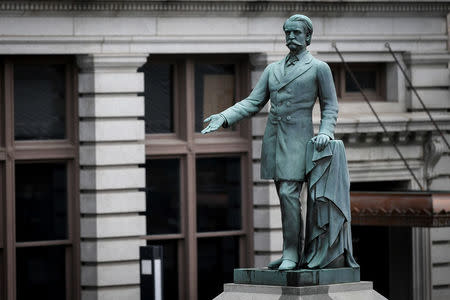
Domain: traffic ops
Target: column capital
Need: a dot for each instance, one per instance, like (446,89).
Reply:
(92,63)
(261,60)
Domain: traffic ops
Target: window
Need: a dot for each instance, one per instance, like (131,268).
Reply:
(198,191)
(2,226)
(371,77)
(38,180)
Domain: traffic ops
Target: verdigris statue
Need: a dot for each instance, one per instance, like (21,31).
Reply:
(293,84)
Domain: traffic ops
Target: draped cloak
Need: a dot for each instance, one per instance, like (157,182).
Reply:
(328,231)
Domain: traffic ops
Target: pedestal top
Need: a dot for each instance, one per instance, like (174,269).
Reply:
(297,278)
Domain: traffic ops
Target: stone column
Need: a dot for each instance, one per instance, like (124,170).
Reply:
(422,265)
(112,150)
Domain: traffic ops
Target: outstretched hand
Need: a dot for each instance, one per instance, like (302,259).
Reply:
(216,121)
(321,141)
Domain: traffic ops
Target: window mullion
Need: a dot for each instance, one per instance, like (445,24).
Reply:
(191,228)
(10,243)
(191,190)
(9,107)
(246,244)
(10,251)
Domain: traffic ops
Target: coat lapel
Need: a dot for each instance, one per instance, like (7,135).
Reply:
(299,68)
(279,70)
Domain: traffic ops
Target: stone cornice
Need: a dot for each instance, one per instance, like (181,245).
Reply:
(404,128)
(399,122)
(152,7)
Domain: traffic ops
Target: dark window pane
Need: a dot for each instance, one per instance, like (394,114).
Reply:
(214,90)
(2,204)
(41,273)
(376,186)
(41,202)
(170,268)
(39,102)
(2,108)
(218,194)
(217,258)
(163,196)
(2,276)
(158,95)
(367,80)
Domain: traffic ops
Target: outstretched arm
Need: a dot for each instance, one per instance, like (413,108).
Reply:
(245,108)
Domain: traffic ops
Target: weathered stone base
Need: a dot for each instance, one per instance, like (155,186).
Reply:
(302,277)
(348,291)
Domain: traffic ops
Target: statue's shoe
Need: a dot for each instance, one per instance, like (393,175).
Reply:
(275,264)
(287,265)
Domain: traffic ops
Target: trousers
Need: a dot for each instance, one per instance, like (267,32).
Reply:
(291,218)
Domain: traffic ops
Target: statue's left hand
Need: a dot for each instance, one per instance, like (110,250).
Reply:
(321,141)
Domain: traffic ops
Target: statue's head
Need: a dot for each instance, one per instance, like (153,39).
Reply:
(298,30)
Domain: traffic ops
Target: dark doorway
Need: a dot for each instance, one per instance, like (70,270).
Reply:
(384,252)
(385,257)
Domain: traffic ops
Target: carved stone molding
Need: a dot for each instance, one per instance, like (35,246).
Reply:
(440,8)
(379,138)
(111,62)
(433,151)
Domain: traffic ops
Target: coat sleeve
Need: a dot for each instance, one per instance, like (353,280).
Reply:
(253,103)
(327,99)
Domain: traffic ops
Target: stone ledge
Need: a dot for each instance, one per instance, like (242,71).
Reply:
(207,6)
(302,277)
(352,291)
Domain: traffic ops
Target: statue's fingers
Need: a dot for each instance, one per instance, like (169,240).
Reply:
(206,130)
(320,143)
(207,119)
(317,146)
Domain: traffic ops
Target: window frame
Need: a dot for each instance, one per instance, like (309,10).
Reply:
(40,151)
(187,145)
(339,73)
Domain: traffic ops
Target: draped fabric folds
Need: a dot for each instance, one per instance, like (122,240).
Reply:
(328,231)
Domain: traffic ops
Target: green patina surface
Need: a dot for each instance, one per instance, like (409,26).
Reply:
(302,277)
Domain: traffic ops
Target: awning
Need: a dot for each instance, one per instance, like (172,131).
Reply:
(416,209)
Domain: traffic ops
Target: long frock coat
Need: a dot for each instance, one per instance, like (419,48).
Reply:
(289,126)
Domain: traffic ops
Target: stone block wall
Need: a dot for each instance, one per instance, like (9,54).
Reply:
(111,178)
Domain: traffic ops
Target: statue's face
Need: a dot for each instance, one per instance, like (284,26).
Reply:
(295,36)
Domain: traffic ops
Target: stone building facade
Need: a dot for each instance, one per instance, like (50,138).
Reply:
(108,152)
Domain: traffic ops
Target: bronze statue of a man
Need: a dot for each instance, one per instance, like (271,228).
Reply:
(292,84)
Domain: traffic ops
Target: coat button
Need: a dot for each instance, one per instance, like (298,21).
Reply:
(289,90)
(279,118)
(288,103)
(288,117)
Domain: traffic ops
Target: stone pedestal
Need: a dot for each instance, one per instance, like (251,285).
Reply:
(302,277)
(348,291)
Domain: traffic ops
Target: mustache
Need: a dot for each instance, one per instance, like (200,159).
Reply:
(295,42)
